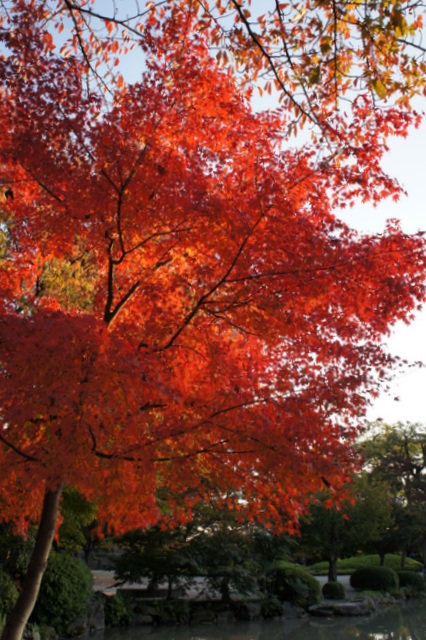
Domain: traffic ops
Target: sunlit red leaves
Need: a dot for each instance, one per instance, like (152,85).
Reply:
(236,324)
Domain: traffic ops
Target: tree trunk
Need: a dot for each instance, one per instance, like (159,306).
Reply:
(224,590)
(403,556)
(382,558)
(424,554)
(24,606)
(332,568)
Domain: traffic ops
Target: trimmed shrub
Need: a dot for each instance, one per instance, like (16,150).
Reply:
(413,582)
(375,579)
(8,593)
(65,592)
(349,565)
(334,590)
(294,585)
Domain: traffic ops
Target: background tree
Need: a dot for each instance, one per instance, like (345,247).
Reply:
(361,520)
(397,453)
(78,530)
(236,325)
(158,554)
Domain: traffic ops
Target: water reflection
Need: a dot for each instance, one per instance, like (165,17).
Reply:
(405,622)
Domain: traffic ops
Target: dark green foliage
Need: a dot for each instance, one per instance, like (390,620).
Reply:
(8,593)
(240,610)
(172,611)
(334,590)
(375,579)
(118,609)
(294,585)
(271,607)
(413,582)
(157,555)
(65,592)
(349,565)
(16,563)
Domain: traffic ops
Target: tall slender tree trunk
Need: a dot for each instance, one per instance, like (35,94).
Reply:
(332,567)
(424,554)
(403,556)
(22,610)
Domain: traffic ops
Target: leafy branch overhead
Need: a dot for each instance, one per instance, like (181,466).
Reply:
(319,57)
(180,307)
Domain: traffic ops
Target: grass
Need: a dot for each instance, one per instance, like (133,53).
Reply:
(349,565)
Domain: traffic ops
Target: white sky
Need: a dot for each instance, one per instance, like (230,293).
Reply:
(406,161)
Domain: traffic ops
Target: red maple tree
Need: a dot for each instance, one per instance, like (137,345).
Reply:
(231,339)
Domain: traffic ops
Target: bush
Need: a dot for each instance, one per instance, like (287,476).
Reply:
(349,565)
(65,592)
(8,593)
(270,607)
(334,590)
(413,582)
(172,611)
(294,585)
(375,579)
(118,609)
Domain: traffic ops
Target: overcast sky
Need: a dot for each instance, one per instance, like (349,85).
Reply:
(406,160)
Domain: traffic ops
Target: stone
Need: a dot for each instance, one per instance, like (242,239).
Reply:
(96,615)
(77,628)
(140,619)
(291,611)
(254,609)
(355,608)
(203,616)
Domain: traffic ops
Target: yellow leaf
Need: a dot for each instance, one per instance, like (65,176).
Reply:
(379,88)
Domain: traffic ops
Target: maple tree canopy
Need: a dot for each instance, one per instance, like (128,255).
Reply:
(180,306)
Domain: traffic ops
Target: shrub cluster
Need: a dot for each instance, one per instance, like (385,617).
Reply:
(65,592)
(334,590)
(271,607)
(118,610)
(375,579)
(172,611)
(294,585)
(412,581)
(8,593)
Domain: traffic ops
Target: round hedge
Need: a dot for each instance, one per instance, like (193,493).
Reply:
(413,580)
(8,593)
(294,585)
(375,579)
(65,592)
(334,590)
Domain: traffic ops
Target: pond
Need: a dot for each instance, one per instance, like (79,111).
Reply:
(399,622)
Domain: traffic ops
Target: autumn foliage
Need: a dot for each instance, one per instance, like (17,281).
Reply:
(227,338)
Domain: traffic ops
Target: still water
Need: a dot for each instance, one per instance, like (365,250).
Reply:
(404,622)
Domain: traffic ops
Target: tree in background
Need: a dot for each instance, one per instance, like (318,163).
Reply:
(232,331)
(397,453)
(361,520)
(78,531)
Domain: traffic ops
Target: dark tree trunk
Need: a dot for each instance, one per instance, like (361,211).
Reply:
(403,556)
(382,559)
(332,568)
(424,554)
(169,587)
(22,610)
(224,590)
